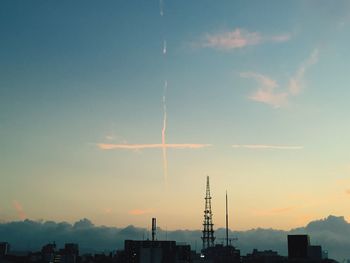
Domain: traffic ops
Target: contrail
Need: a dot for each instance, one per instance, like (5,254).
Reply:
(164,47)
(163,145)
(111,146)
(161,11)
(165,159)
(21,214)
(265,146)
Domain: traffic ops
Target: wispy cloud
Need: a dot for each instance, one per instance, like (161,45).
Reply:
(280,38)
(240,38)
(266,92)
(109,146)
(138,212)
(20,211)
(269,91)
(267,146)
(296,82)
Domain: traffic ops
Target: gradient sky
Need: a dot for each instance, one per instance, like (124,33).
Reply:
(260,88)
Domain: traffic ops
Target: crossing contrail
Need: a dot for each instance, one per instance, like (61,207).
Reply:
(163,145)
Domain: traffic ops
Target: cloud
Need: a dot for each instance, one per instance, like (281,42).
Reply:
(109,146)
(266,92)
(347,191)
(332,233)
(138,212)
(20,211)
(266,146)
(270,93)
(280,38)
(296,82)
(239,38)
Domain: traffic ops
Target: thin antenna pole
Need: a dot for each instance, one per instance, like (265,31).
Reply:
(226,220)
(154,229)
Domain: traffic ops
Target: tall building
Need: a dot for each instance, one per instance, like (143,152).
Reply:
(148,251)
(48,252)
(155,251)
(298,246)
(4,248)
(69,254)
(208,231)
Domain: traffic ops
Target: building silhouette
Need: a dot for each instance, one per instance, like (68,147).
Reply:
(154,251)
(297,246)
(4,248)
(267,256)
(314,252)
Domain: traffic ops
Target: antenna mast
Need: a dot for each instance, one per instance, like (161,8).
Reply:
(208,232)
(226,221)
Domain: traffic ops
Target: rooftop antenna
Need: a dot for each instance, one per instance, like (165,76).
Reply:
(154,227)
(166,233)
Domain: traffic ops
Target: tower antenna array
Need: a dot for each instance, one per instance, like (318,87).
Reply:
(208,231)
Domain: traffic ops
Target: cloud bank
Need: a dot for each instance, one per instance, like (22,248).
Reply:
(332,233)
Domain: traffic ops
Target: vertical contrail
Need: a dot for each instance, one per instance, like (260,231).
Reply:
(21,214)
(164,47)
(161,12)
(165,159)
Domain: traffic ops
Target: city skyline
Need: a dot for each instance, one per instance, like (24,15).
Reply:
(118,111)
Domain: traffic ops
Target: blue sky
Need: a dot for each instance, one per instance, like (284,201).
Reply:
(270,78)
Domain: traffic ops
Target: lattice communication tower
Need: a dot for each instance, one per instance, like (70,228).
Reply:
(208,231)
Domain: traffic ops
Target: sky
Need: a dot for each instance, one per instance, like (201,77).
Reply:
(117,111)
